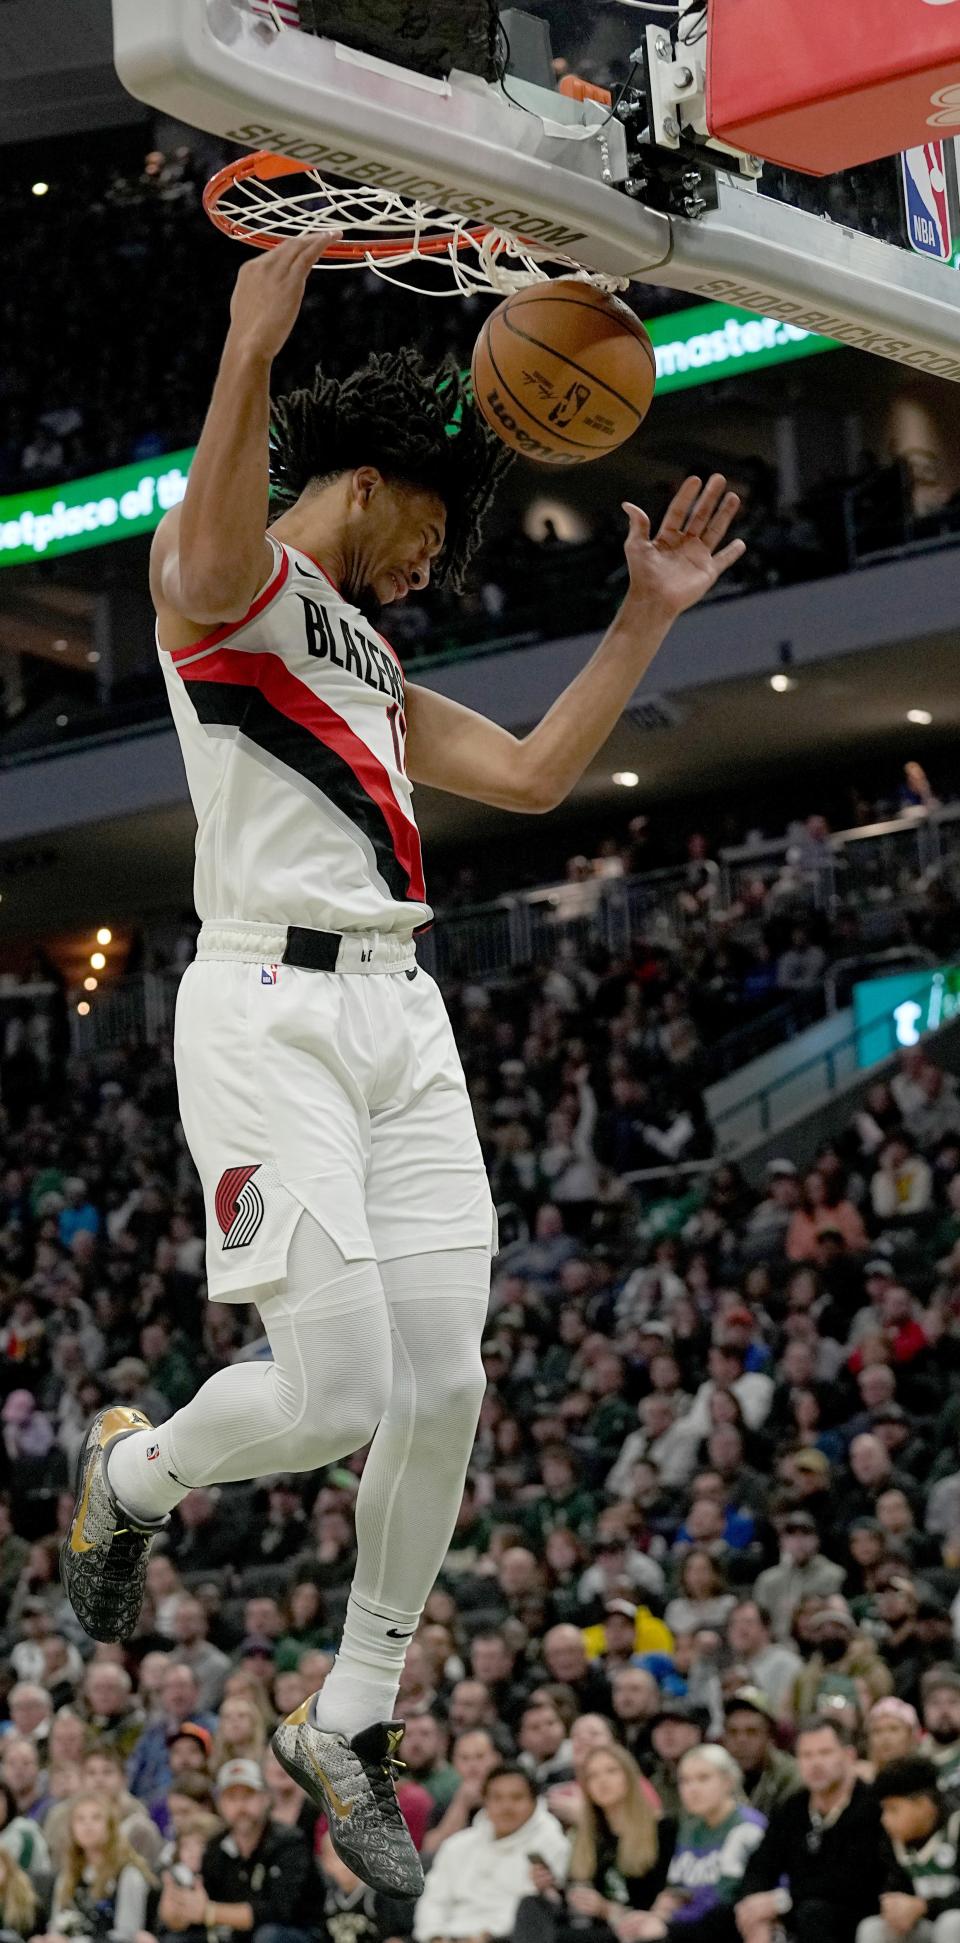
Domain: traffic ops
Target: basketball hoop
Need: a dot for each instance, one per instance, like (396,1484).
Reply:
(382,232)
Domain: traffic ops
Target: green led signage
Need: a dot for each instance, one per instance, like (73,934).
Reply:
(892,1012)
(711,341)
(90,512)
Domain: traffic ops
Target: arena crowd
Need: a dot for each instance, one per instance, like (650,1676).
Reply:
(690,1669)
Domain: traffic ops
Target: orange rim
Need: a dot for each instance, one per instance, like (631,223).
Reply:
(264,167)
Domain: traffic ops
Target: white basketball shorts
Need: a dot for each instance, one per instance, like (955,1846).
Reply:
(339,1092)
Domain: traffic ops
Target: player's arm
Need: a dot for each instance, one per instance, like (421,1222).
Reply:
(210,561)
(455,749)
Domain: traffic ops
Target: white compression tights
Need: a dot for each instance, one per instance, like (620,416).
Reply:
(358,1349)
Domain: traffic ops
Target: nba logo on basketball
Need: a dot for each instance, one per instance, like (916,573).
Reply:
(925,196)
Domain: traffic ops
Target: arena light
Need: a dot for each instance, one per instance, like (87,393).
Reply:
(97,960)
(782,684)
(83,1008)
(40,189)
(104,935)
(625,778)
(62,721)
(921,717)
(90,984)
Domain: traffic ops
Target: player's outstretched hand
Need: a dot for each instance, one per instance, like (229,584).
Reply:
(269,292)
(686,558)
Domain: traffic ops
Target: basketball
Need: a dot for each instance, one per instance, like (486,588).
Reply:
(563,372)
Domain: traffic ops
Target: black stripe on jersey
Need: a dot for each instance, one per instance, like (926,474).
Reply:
(231,705)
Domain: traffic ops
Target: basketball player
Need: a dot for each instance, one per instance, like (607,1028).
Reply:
(320,1087)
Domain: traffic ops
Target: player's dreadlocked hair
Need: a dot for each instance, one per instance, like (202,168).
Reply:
(413,423)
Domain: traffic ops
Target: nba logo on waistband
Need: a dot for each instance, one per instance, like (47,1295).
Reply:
(268,974)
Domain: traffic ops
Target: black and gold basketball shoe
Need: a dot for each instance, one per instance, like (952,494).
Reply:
(354,1784)
(103,1559)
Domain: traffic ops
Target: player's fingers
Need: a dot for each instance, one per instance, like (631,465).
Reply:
(680,508)
(299,253)
(703,512)
(727,511)
(728,555)
(639,521)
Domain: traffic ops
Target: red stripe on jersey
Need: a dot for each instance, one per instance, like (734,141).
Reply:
(291,697)
(271,589)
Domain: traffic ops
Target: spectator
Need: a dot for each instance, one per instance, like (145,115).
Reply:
(149,1772)
(702,1597)
(288,1803)
(716,1835)
(18,1899)
(824,1208)
(305,1623)
(193,1649)
(903,1183)
(565,1657)
(940,1688)
(109,1707)
(753,1389)
(480,1876)
(283,1535)
(802,1570)
(802,1868)
(31,1711)
(545,1748)
(893,1732)
(21,1837)
(767,1226)
(925,1832)
(102,1888)
(23,1775)
(771,1667)
(101,1774)
(618,1861)
(675,1729)
(769,1777)
(475,1755)
(352,1910)
(13,1554)
(840,1655)
(635,1700)
(255,1878)
(424,1757)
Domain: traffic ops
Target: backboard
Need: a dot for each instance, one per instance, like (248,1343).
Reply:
(827,255)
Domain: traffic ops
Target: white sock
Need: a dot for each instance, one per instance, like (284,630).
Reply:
(138,1472)
(362,1687)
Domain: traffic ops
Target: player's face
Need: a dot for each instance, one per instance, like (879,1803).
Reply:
(398,530)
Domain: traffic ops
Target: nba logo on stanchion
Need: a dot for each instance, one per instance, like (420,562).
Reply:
(925,197)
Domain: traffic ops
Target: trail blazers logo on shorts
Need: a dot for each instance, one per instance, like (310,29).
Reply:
(239,1205)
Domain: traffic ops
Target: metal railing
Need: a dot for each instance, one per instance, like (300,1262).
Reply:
(872,964)
(872,867)
(833,1065)
(875,860)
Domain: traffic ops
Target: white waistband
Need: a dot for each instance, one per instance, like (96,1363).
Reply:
(360,951)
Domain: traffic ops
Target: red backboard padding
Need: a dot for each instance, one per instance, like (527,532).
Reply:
(820,85)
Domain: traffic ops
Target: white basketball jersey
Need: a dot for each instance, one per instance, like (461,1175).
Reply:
(292,729)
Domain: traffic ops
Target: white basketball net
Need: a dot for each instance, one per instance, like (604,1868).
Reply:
(458,258)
